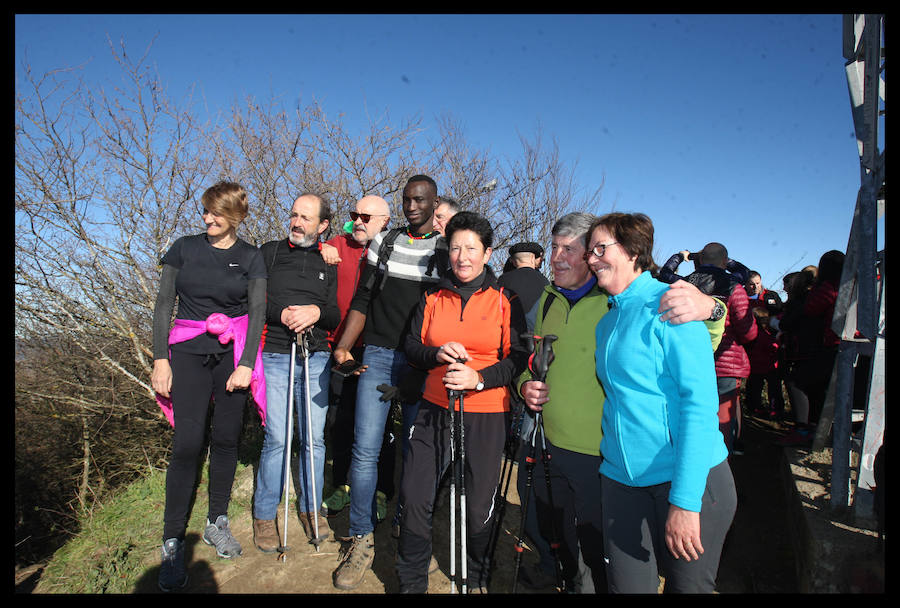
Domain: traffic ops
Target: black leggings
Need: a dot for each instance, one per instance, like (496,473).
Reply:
(196,378)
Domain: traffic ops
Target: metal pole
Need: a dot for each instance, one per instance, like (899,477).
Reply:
(451,407)
(287,449)
(462,494)
(312,500)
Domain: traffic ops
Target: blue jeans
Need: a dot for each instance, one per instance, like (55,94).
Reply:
(385,366)
(270,474)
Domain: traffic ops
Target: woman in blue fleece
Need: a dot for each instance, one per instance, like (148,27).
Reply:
(668,496)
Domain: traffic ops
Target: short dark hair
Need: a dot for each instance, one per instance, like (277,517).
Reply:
(714,254)
(325,212)
(469,220)
(422,178)
(634,233)
(831,265)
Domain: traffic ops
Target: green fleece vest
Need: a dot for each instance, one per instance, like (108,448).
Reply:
(572,416)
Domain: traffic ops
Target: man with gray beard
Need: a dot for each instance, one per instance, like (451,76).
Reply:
(301,298)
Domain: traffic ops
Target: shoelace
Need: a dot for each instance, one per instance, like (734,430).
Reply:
(347,553)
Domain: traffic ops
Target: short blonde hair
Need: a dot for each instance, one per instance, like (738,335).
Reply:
(227,199)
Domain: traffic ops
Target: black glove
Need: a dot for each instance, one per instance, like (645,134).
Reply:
(388,393)
(410,389)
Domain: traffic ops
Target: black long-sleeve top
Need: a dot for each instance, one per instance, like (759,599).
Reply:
(298,276)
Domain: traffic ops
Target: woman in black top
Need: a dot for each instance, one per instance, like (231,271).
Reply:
(211,352)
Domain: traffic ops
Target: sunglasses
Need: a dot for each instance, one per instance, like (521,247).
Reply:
(364,216)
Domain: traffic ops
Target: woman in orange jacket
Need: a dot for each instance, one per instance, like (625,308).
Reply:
(465,332)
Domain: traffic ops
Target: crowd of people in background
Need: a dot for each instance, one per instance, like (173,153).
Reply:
(641,407)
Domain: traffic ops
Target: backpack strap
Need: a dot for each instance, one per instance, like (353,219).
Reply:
(548,302)
(440,260)
(384,253)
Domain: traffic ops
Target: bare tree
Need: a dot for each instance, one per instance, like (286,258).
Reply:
(105,180)
(108,177)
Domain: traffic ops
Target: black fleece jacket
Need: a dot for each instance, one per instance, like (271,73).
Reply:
(298,276)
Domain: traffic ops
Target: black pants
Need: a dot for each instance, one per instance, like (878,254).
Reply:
(634,521)
(195,379)
(755,383)
(427,459)
(341,415)
(807,385)
(576,514)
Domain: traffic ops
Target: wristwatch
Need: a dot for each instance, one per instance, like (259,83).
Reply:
(480,385)
(718,311)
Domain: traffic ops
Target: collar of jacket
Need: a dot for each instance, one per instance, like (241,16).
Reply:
(488,280)
(635,290)
(291,247)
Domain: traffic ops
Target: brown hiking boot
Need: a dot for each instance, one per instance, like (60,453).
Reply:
(265,535)
(307,520)
(357,557)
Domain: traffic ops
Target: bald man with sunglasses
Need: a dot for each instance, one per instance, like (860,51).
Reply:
(348,251)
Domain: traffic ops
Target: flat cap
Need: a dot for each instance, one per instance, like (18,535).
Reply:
(527,247)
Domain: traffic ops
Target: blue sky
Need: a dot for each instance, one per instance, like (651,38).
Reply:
(729,128)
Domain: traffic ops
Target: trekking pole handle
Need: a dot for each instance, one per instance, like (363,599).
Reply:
(453,393)
(302,344)
(541,354)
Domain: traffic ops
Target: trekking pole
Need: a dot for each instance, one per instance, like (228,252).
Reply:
(539,361)
(554,533)
(282,550)
(312,500)
(451,396)
(509,455)
(520,538)
(463,555)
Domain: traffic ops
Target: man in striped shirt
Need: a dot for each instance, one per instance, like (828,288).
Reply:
(389,291)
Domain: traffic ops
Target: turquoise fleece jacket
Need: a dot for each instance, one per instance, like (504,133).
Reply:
(660,419)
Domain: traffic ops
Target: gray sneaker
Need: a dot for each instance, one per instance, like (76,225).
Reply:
(172,574)
(219,534)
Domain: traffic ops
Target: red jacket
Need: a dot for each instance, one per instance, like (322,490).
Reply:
(820,305)
(763,352)
(353,258)
(740,328)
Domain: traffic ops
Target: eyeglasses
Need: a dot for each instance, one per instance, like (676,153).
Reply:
(365,217)
(598,251)
(203,211)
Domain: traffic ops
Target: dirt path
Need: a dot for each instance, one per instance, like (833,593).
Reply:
(306,571)
(758,556)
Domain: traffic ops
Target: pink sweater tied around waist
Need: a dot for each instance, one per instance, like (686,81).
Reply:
(227,329)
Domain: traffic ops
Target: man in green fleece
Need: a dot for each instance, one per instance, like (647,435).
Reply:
(570,308)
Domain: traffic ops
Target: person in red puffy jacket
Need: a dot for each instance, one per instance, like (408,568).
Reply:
(717,275)
(763,355)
